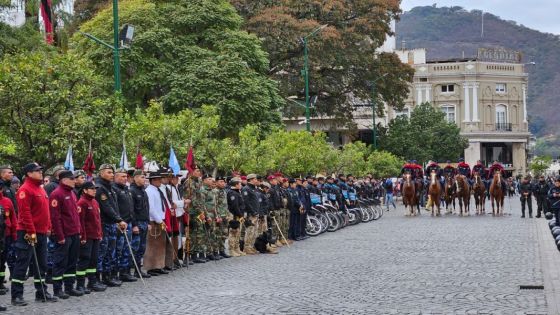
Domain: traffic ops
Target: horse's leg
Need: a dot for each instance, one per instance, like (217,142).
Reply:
(492,202)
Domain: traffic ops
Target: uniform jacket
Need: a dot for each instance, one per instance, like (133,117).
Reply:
(33,207)
(449,170)
(9,213)
(294,202)
(525,187)
(541,188)
(480,169)
(125,202)
(235,202)
(51,186)
(9,192)
(141,204)
(90,219)
(275,197)
(304,197)
(107,200)
(464,169)
(433,166)
(554,201)
(64,212)
(221,202)
(251,199)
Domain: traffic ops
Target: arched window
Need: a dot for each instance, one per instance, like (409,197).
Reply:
(501,117)
(449,111)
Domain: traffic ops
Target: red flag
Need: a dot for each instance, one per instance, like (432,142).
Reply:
(139,164)
(89,164)
(46,14)
(190,165)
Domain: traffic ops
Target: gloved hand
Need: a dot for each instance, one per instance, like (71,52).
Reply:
(163,226)
(272,214)
(31,238)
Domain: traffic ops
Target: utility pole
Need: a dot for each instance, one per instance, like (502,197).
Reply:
(116,57)
(306,76)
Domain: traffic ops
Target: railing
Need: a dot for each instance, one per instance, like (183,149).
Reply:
(503,126)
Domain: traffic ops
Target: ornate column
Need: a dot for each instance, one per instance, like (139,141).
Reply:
(524,103)
(428,88)
(475,102)
(467,103)
(419,94)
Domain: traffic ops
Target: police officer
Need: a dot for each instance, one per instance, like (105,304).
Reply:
(295,207)
(541,190)
(276,207)
(51,186)
(223,215)
(141,219)
(305,200)
(33,226)
(80,181)
(7,251)
(6,176)
(526,191)
(110,221)
(554,199)
(195,230)
(236,208)
(126,212)
(90,237)
(252,208)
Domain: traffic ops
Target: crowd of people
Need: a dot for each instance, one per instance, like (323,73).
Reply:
(83,234)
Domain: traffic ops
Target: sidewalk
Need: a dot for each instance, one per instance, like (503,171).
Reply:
(550,261)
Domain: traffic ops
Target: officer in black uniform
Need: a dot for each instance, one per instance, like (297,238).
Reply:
(237,208)
(110,218)
(541,190)
(6,176)
(252,208)
(526,192)
(141,219)
(126,211)
(554,199)
(294,205)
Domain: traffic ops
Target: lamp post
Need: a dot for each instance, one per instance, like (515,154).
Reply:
(306,75)
(374,108)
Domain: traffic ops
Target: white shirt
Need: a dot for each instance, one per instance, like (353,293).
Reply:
(157,212)
(177,200)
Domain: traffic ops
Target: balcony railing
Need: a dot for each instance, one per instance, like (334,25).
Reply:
(503,126)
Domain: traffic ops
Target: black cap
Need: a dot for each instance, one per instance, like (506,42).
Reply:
(558,179)
(291,180)
(89,185)
(32,167)
(66,174)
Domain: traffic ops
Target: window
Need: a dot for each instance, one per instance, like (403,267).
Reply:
(449,111)
(501,115)
(448,88)
(423,79)
(404,112)
(501,88)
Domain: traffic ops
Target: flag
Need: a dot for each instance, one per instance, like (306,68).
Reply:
(190,165)
(89,165)
(69,163)
(173,162)
(46,15)
(139,163)
(124,159)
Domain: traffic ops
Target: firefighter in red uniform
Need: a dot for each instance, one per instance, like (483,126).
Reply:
(90,236)
(34,224)
(7,255)
(65,236)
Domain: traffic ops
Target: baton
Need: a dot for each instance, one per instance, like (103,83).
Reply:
(174,251)
(279,230)
(39,272)
(133,258)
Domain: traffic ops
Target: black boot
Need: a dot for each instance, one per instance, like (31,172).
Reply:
(125,276)
(3,308)
(94,284)
(18,301)
(210,257)
(115,277)
(197,258)
(217,256)
(224,255)
(109,281)
(57,292)
(3,289)
(81,285)
(71,291)
(144,275)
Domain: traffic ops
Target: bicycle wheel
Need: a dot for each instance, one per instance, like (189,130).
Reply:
(334,223)
(313,227)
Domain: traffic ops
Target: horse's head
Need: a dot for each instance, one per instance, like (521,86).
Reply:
(498,175)
(433,176)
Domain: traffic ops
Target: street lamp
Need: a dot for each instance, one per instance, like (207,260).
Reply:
(126,38)
(373,105)
(306,74)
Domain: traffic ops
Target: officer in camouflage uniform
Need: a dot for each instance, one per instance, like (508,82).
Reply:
(223,218)
(196,232)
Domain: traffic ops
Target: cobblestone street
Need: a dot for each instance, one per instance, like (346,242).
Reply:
(397,265)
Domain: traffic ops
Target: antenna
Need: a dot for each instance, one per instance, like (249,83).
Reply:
(482,29)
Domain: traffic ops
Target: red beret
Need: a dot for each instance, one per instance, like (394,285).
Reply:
(270,177)
(243,177)
(278,174)
(284,180)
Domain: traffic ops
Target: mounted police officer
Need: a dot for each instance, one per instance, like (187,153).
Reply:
(111,221)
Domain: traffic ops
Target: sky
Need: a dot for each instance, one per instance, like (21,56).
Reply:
(541,15)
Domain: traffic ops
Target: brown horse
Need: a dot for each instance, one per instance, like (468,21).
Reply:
(497,194)
(449,194)
(479,194)
(463,194)
(434,191)
(409,194)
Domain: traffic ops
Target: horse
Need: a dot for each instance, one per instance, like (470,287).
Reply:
(463,194)
(497,194)
(419,186)
(434,191)
(449,194)
(409,194)
(479,194)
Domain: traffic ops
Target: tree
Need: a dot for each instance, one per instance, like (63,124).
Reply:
(352,159)
(384,164)
(342,57)
(50,100)
(187,54)
(540,164)
(425,136)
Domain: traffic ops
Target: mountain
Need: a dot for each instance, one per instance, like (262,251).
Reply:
(450,32)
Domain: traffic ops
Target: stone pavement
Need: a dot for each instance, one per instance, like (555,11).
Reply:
(397,265)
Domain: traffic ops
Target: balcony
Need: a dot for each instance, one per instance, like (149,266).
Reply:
(503,126)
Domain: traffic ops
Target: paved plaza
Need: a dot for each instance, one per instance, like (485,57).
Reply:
(397,265)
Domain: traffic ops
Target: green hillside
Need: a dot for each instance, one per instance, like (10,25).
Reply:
(451,31)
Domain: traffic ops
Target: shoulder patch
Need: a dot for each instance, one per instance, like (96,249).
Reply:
(245,193)
(104,197)
(21,195)
(54,203)
(232,197)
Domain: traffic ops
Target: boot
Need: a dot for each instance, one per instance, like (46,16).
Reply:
(270,250)
(19,301)
(197,258)
(144,275)
(125,276)
(71,291)
(47,297)
(95,280)
(210,257)
(109,281)
(115,276)
(81,285)
(250,250)
(217,256)
(3,289)
(224,255)
(58,293)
